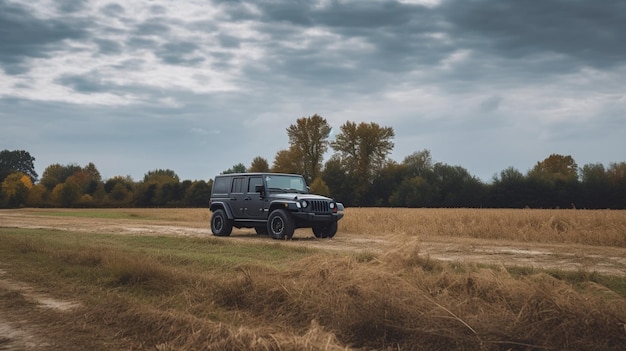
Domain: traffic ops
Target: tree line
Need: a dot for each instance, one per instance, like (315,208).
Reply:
(359,173)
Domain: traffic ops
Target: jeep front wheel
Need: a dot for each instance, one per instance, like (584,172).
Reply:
(325,230)
(280,224)
(220,224)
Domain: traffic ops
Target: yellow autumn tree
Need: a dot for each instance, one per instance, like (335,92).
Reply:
(15,189)
(318,186)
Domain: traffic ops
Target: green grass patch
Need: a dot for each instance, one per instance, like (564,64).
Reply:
(54,248)
(579,278)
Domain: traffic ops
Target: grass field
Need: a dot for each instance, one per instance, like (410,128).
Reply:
(558,226)
(151,292)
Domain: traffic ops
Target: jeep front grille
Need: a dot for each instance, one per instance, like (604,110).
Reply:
(319,206)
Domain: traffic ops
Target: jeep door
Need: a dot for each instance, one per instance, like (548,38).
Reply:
(253,201)
(237,197)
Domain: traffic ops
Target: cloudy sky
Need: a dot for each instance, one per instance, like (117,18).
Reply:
(198,86)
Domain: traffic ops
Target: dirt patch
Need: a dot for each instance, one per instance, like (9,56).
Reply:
(20,334)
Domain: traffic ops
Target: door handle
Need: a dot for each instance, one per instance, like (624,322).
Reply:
(248,198)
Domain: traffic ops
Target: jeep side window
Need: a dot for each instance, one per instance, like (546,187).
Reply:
(221,185)
(237,185)
(254,181)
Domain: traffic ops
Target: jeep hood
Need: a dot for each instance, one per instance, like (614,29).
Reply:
(296,196)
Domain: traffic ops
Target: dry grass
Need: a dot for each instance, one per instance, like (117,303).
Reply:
(398,300)
(589,227)
(156,294)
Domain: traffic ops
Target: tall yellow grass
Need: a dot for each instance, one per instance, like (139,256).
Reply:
(589,227)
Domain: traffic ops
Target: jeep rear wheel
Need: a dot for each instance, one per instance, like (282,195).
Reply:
(325,230)
(280,224)
(220,224)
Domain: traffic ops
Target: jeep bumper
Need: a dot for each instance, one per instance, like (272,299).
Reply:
(317,217)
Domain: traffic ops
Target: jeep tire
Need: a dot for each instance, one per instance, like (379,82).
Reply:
(220,224)
(325,230)
(280,224)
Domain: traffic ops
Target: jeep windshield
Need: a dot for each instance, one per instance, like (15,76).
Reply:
(285,184)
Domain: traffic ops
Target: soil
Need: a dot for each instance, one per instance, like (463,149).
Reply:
(17,333)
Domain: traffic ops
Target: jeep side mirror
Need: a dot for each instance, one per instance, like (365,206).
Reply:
(260,189)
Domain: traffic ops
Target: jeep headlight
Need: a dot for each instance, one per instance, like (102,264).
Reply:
(331,205)
(304,204)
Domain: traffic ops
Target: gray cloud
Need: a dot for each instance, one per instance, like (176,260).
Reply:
(583,32)
(69,6)
(179,53)
(83,83)
(109,47)
(24,36)
(113,10)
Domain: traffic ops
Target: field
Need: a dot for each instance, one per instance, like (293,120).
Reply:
(392,279)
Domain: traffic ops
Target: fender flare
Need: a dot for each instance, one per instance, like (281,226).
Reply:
(223,205)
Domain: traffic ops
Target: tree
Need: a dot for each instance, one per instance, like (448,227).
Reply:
(88,178)
(595,187)
(338,181)
(617,172)
(238,168)
(198,194)
(259,164)
(159,187)
(363,151)
(308,140)
(455,187)
(419,164)
(15,189)
(617,178)
(286,161)
(555,167)
(119,191)
(56,174)
(318,186)
(410,183)
(509,190)
(17,161)
(386,183)
(119,194)
(126,182)
(161,176)
(554,181)
(37,196)
(66,194)
(413,192)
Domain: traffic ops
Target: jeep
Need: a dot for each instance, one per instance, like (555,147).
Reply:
(271,203)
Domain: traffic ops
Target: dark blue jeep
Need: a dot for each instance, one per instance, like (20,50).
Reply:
(271,203)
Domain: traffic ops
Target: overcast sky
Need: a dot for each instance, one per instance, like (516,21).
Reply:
(199,86)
